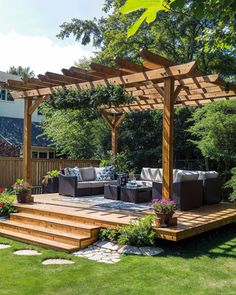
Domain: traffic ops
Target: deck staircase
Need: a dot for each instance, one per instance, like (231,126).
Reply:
(58,231)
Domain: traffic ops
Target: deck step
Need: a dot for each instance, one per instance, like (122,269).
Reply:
(56,223)
(44,232)
(29,239)
(84,216)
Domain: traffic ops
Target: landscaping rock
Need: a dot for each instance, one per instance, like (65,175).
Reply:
(151,251)
(108,245)
(130,250)
(57,261)
(27,252)
(108,252)
(4,246)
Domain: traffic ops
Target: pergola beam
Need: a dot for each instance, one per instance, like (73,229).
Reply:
(176,72)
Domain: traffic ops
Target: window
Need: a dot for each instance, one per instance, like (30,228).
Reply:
(34,155)
(51,155)
(2,94)
(5,95)
(43,155)
(9,97)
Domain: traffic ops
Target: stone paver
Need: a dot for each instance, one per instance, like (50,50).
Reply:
(57,261)
(108,252)
(27,252)
(4,246)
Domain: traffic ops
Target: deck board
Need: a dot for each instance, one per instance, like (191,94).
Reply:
(190,223)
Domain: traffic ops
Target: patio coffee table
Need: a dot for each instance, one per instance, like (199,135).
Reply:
(136,194)
(112,191)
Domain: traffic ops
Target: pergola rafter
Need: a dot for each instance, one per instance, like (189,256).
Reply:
(157,83)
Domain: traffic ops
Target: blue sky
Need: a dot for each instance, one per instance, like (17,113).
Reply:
(31,26)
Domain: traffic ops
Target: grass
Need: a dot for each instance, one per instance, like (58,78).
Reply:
(202,265)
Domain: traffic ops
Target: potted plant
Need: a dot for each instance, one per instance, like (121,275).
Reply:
(23,191)
(164,210)
(6,208)
(50,182)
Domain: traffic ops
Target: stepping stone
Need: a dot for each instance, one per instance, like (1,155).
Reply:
(57,261)
(27,252)
(151,251)
(4,246)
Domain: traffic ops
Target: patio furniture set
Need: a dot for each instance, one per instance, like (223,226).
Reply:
(192,189)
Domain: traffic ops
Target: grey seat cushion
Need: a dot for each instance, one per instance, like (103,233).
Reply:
(87,173)
(151,174)
(94,183)
(207,174)
(186,175)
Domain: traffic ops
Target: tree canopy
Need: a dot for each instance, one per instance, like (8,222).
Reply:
(222,14)
(177,36)
(214,125)
(22,72)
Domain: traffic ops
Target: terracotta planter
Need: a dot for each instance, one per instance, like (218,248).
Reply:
(164,219)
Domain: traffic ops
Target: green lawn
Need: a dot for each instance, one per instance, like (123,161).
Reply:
(201,265)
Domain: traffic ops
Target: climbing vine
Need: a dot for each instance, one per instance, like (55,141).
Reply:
(92,98)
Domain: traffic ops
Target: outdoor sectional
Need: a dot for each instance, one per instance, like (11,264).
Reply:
(89,181)
(192,189)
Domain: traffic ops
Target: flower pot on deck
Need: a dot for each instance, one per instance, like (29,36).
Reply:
(164,219)
(24,197)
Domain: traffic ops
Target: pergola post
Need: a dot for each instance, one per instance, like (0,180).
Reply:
(114,140)
(114,121)
(27,140)
(167,138)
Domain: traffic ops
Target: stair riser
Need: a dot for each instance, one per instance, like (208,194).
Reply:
(56,226)
(66,217)
(37,233)
(86,243)
(37,243)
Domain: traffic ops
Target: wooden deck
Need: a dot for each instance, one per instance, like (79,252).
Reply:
(190,223)
(69,226)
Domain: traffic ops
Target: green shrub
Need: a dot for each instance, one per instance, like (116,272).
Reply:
(109,234)
(119,161)
(6,203)
(6,208)
(138,233)
(231,184)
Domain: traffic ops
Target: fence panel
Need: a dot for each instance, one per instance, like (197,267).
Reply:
(12,168)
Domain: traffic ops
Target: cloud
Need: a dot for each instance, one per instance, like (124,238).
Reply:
(39,53)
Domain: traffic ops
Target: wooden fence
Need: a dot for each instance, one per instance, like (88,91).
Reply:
(12,168)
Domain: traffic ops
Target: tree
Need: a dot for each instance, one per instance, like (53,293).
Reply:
(215,129)
(221,13)
(22,72)
(176,36)
(74,133)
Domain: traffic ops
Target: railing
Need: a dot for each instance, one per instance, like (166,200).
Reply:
(12,168)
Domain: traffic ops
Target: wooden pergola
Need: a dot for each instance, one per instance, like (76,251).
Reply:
(157,83)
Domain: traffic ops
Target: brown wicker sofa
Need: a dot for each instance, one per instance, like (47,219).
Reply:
(88,182)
